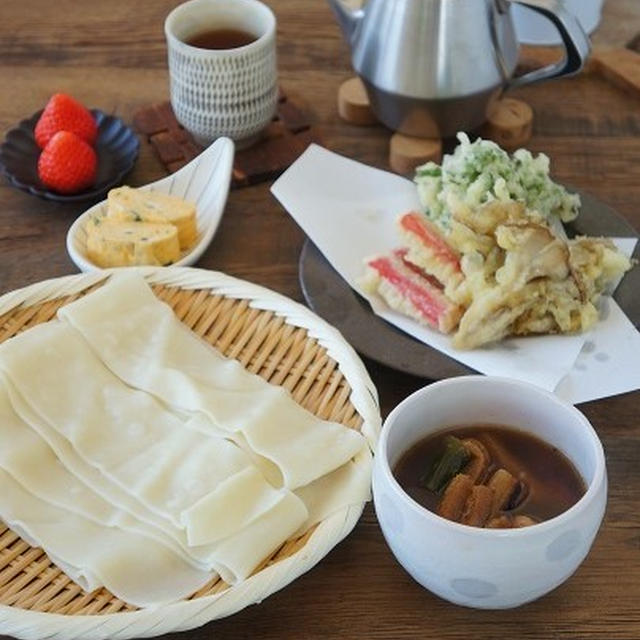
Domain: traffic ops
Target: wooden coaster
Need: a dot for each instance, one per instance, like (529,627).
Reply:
(406,152)
(284,139)
(509,123)
(353,103)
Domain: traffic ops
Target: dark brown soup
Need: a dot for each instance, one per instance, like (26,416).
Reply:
(221,39)
(489,476)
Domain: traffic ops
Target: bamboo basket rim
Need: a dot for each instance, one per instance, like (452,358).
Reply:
(29,302)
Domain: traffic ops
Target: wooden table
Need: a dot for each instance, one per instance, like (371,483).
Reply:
(112,55)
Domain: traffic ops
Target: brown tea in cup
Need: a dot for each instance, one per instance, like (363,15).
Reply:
(221,39)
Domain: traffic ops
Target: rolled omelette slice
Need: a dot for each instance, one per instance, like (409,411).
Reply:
(134,568)
(126,434)
(139,338)
(136,205)
(111,244)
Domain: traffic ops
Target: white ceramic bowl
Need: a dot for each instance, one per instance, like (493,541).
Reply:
(204,181)
(488,568)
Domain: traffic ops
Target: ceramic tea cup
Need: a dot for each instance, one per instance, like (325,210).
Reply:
(472,566)
(222,87)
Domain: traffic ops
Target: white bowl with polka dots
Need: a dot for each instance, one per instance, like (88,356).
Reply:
(488,568)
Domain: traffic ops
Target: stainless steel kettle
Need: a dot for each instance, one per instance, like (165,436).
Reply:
(433,67)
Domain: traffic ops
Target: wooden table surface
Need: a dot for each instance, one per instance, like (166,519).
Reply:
(112,55)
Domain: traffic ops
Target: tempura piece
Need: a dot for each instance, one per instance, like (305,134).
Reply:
(496,270)
(545,285)
(487,217)
(407,289)
(428,249)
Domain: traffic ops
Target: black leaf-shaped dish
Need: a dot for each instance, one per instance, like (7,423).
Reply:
(117,148)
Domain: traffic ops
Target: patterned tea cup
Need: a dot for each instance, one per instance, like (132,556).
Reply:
(222,92)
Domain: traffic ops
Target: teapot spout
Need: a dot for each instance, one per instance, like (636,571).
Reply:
(348,19)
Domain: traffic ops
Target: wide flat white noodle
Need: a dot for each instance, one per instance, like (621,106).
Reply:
(27,457)
(348,485)
(82,577)
(125,433)
(32,463)
(229,518)
(134,568)
(269,469)
(235,503)
(139,338)
(248,500)
(166,466)
(238,555)
(156,527)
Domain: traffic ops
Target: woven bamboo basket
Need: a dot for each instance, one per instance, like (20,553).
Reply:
(278,339)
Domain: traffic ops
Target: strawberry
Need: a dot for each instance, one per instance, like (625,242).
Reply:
(63,113)
(67,164)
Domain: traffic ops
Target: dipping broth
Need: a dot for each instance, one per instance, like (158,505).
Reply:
(221,39)
(524,480)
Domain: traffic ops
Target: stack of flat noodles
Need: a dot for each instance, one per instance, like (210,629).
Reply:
(141,459)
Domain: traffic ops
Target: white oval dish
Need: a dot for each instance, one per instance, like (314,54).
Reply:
(204,181)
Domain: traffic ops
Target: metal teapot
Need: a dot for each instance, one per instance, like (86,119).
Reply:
(434,67)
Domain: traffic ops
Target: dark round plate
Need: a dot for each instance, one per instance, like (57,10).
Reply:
(334,300)
(117,149)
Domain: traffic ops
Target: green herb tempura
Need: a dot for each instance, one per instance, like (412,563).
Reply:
(479,172)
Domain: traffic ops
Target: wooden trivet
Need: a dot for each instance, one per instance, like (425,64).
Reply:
(353,103)
(406,152)
(509,123)
(284,139)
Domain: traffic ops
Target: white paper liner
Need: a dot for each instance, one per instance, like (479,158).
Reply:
(349,211)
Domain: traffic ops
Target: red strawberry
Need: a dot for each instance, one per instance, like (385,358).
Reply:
(67,164)
(63,113)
